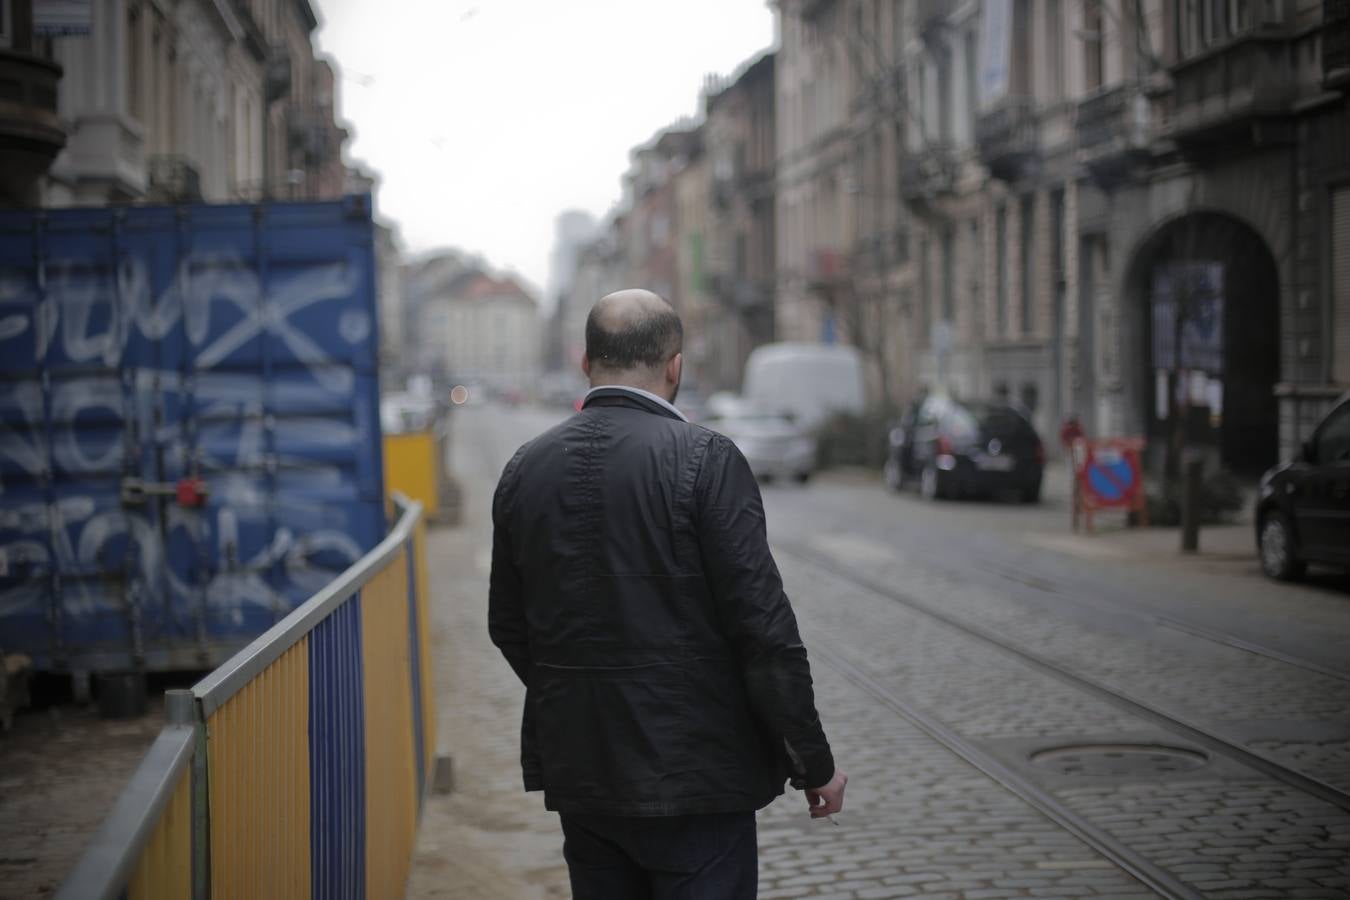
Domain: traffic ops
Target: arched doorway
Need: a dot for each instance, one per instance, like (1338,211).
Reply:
(1207,282)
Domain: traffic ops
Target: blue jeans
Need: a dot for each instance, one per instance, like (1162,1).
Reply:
(707,857)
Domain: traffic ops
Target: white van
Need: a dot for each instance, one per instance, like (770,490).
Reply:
(808,381)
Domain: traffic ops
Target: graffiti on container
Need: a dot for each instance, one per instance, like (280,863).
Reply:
(107,404)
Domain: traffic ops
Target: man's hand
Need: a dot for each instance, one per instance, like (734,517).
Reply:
(828,798)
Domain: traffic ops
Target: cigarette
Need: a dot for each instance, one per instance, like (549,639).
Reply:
(831,818)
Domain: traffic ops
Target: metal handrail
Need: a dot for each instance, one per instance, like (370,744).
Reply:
(223,683)
(111,857)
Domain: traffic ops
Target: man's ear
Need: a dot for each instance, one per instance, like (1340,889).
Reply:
(673,368)
(585,365)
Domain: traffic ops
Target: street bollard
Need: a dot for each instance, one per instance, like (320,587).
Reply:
(1190,507)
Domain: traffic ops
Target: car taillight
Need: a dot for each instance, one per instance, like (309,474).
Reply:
(944,445)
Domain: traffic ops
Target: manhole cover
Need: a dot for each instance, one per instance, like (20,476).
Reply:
(1118,759)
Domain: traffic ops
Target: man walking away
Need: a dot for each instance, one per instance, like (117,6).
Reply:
(668,694)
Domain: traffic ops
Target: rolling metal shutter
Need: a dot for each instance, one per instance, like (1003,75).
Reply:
(1340,285)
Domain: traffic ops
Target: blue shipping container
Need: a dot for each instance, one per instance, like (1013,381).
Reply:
(144,350)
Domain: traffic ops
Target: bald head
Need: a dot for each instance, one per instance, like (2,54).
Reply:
(632,337)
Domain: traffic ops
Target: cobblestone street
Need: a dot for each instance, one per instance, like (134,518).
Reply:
(920,820)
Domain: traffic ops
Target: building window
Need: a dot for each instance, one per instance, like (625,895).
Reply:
(1057,234)
(1001,271)
(925,290)
(1028,254)
(6,23)
(897,30)
(1201,24)
(976,270)
(1094,69)
(973,76)
(1020,62)
(1340,285)
(944,95)
(921,83)
(135,57)
(948,275)
(1054,47)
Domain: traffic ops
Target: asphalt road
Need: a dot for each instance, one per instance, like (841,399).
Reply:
(862,566)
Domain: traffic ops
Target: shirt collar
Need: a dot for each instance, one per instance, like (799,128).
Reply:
(641,393)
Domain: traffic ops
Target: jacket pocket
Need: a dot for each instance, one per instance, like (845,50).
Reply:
(612,734)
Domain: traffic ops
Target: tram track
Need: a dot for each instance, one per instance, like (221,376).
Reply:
(1152,876)
(1196,733)
(1050,586)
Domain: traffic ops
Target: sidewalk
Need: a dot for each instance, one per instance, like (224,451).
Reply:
(487,839)
(1049,526)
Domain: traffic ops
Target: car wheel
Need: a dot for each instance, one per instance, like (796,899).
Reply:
(930,484)
(1278,559)
(1031,493)
(892,474)
(802,477)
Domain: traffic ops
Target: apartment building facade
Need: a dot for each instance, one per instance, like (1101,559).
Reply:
(814,177)
(31,131)
(1031,188)
(478,328)
(1213,142)
(737,247)
(193,100)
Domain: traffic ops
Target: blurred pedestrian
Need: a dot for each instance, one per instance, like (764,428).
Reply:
(668,694)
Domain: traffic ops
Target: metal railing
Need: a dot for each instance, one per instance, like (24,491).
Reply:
(297,768)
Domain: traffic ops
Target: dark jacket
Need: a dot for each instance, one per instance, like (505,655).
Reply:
(634,594)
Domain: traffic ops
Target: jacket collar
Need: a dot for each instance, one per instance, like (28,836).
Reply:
(622,395)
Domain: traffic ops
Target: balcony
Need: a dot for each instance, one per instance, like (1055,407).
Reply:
(30,133)
(1007,139)
(173,179)
(1112,132)
(927,174)
(1232,92)
(928,10)
(812,10)
(756,181)
(313,134)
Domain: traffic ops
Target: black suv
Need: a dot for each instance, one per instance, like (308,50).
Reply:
(953,448)
(1303,508)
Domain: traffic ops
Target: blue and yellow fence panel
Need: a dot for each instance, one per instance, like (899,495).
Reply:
(305,756)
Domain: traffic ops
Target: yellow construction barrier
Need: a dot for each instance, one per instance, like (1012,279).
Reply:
(412,469)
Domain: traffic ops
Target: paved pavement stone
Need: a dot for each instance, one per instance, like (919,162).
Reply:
(942,671)
(1234,691)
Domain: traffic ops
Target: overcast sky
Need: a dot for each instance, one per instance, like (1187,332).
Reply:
(486,118)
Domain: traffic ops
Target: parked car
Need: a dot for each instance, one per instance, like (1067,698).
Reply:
(774,444)
(952,448)
(1303,505)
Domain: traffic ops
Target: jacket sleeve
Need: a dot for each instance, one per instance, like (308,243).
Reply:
(506,601)
(754,612)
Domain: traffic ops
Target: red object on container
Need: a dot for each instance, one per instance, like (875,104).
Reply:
(192,492)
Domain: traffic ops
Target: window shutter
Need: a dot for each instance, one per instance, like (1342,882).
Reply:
(1340,286)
